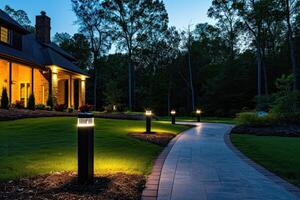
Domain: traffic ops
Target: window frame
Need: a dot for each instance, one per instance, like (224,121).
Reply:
(9,42)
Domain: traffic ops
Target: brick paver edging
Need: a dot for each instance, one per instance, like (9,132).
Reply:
(151,188)
(289,187)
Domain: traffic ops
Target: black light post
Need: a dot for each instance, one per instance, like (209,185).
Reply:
(148,121)
(85,127)
(173,114)
(198,114)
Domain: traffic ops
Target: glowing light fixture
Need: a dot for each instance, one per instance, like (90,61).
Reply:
(148,114)
(85,126)
(198,114)
(173,113)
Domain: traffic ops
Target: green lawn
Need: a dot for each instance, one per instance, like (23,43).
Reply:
(280,155)
(203,119)
(37,146)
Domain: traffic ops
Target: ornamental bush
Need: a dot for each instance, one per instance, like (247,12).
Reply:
(31,102)
(50,102)
(4,99)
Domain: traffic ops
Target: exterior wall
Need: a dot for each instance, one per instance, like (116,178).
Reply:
(61,93)
(82,84)
(21,83)
(4,76)
(41,87)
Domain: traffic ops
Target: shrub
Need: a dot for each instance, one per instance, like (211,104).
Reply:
(70,110)
(108,108)
(40,107)
(19,105)
(31,102)
(48,108)
(86,108)
(264,103)
(50,101)
(290,103)
(60,107)
(4,99)
(251,118)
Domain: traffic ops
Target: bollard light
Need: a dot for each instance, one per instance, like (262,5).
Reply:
(85,126)
(173,114)
(148,120)
(198,114)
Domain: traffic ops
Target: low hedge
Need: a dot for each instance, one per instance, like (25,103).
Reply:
(252,119)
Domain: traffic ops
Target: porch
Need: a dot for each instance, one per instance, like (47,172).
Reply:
(21,81)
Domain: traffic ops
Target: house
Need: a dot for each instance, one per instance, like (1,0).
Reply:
(31,64)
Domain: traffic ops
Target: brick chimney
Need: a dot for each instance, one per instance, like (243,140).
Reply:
(42,26)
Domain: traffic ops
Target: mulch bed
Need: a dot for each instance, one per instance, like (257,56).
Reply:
(161,139)
(284,130)
(64,186)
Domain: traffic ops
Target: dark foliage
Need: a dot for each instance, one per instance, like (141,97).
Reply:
(31,102)
(4,99)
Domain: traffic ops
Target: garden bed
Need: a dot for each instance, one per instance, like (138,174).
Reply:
(283,130)
(161,139)
(14,114)
(64,186)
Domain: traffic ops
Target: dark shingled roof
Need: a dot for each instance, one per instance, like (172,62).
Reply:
(7,19)
(37,53)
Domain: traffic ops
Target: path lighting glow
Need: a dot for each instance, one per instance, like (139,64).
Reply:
(148,114)
(173,114)
(198,114)
(85,126)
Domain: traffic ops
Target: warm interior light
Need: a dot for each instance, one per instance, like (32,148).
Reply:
(148,113)
(173,112)
(54,76)
(85,122)
(198,112)
(54,69)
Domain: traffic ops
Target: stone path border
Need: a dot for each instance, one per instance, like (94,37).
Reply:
(151,188)
(288,186)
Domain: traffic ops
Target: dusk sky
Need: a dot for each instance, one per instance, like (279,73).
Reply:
(181,12)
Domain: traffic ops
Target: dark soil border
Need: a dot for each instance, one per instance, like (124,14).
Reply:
(283,183)
(151,188)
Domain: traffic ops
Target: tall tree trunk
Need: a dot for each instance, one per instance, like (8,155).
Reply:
(292,46)
(266,78)
(95,80)
(130,84)
(191,81)
(265,72)
(259,60)
(169,97)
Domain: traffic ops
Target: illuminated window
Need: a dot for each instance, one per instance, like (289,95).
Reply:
(4,35)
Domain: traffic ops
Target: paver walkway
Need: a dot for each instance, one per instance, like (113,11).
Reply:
(201,166)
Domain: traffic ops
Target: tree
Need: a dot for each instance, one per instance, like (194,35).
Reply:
(227,20)
(77,45)
(188,40)
(253,14)
(4,99)
(291,7)
(20,16)
(92,18)
(31,102)
(131,19)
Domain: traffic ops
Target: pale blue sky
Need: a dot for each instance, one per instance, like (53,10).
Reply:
(181,12)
